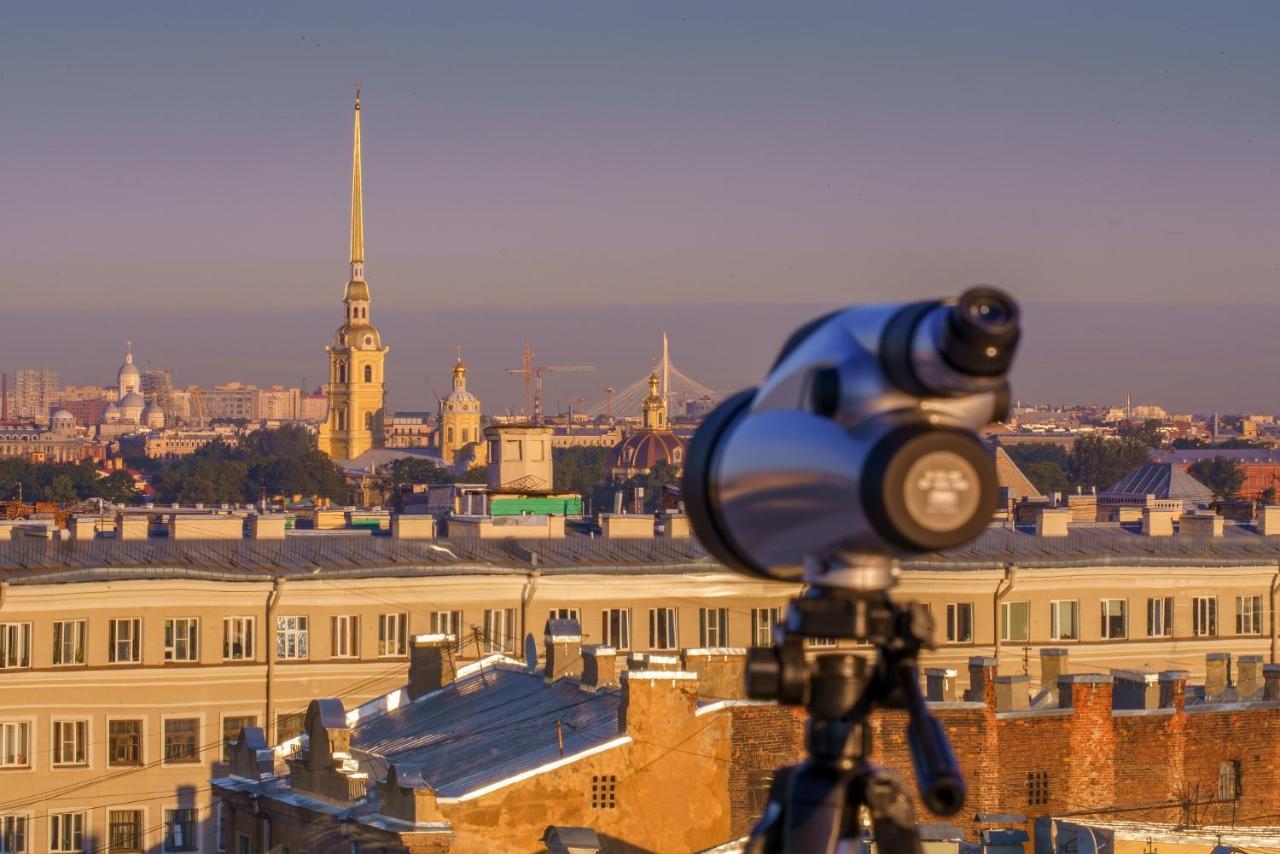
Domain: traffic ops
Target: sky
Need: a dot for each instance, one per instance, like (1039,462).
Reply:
(1113,165)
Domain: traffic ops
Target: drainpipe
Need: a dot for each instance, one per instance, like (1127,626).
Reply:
(1275,589)
(526,596)
(1002,590)
(273,599)
(4,588)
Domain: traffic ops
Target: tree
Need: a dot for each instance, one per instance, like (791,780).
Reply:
(1222,475)
(1098,462)
(418,470)
(117,488)
(579,470)
(1267,497)
(1148,432)
(475,474)
(1047,477)
(61,491)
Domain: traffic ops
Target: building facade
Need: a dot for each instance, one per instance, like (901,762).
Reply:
(35,393)
(357,357)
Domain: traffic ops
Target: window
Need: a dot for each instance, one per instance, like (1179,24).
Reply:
(1037,788)
(66,832)
(500,630)
(182,639)
(1160,617)
(960,622)
(70,742)
(617,628)
(663,630)
(368,417)
(68,642)
(289,725)
(180,830)
(243,845)
(1064,620)
(759,787)
(231,727)
(180,740)
(762,622)
(13,834)
(368,369)
(565,614)
(15,645)
(1204,616)
(15,744)
(126,641)
(345,631)
(124,742)
(713,626)
(604,791)
(1015,621)
(448,623)
(237,638)
(1114,621)
(1229,780)
(1248,615)
(393,634)
(291,637)
(220,826)
(821,642)
(124,830)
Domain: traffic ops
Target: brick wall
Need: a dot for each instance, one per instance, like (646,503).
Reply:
(1153,765)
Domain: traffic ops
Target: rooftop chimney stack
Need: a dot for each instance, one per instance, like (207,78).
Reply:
(940,685)
(431,665)
(982,680)
(599,667)
(564,650)
(1271,682)
(1157,522)
(1012,694)
(1053,521)
(1217,674)
(1053,664)
(1173,689)
(1249,684)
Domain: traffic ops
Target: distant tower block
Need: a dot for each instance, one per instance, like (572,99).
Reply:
(460,436)
(357,387)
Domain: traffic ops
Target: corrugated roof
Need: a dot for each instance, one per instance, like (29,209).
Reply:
(1164,481)
(489,725)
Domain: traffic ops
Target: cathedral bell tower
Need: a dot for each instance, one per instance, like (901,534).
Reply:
(356,387)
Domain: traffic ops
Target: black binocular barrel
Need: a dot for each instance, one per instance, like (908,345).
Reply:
(938,775)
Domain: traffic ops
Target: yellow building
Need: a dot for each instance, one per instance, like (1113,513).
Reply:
(460,436)
(357,388)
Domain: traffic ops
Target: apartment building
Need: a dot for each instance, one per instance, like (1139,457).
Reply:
(126,663)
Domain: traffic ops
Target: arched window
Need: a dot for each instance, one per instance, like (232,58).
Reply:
(342,372)
(466,435)
(368,373)
(368,419)
(675,455)
(449,435)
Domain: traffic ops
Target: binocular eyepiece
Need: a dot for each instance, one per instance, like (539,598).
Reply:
(861,440)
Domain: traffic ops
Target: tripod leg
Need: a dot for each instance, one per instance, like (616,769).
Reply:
(893,820)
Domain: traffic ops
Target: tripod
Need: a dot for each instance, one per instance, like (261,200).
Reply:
(813,806)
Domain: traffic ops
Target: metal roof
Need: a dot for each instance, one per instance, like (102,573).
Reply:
(1164,481)
(492,724)
(36,561)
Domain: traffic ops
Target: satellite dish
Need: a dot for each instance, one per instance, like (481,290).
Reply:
(531,653)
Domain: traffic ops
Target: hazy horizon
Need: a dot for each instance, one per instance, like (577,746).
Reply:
(1081,353)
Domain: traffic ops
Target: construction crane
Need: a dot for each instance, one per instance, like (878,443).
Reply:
(533,380)
(608,406)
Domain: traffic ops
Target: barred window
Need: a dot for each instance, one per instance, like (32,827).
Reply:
(1037,788)
(604,791)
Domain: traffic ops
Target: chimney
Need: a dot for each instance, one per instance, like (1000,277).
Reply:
(1011,693)
(599,667)
(1217,674)
(431,664)
(409,526)
(1249,677)
(1085,691)
(1135,689)
(1052,521)
(1173,689)
(655,703)
(1269,521)
(1053,664)
(1156,522)
(721,671)
(1200,524)
(266,526)
(940,684)
(564,650)
(1271,681)
(617,502)
(982,680)
(652,661)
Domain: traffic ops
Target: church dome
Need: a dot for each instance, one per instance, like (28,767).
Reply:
(62,422)
(153,416)
(131,406)
(111,414)
(644,449)
(63,415)
(128,378)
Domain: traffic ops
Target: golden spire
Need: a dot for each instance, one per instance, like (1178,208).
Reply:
(357,202)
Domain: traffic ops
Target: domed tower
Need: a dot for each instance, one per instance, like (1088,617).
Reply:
(63,423)
(652,443)
(128,378)
(460,420)
(131,406)
(153,416)
(356,387)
